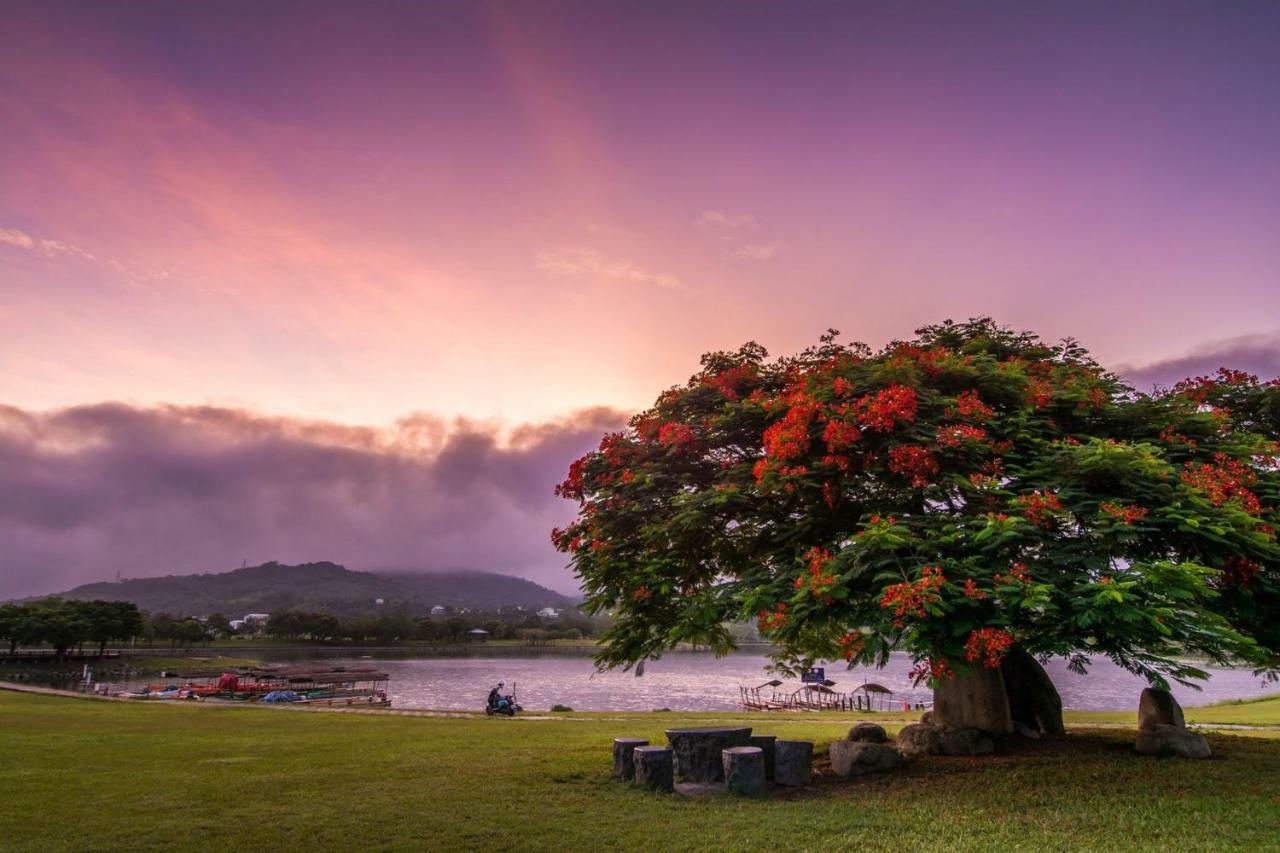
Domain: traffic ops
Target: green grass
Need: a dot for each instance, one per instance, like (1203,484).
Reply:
(91,775)
(1260,711)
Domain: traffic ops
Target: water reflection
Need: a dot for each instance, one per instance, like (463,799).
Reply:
(702,682)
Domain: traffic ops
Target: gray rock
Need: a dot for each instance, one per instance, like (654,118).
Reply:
(793,762)
(744,770)
(1033,700)
(964,741)
(766,744)
(1165,740)
(654,767)
(623,765)
(697,752)
(1026,731)
(1157,707)
(976,700)
(852,758)
(868,733)
(919,739)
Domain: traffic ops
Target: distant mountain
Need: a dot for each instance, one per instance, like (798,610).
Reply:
(321,586)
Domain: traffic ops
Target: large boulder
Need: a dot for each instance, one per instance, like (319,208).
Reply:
(1157,707)
(1171,741)
(868,733)
(1033,700)
(976,700)
(919,739)
(852,758)
(964,741)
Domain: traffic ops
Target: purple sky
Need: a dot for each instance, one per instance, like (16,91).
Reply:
(282,222)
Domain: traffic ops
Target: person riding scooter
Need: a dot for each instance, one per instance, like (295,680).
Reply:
(499,704)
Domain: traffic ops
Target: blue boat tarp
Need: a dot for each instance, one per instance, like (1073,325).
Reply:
(282,696)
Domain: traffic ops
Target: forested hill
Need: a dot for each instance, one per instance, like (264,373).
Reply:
(320,586)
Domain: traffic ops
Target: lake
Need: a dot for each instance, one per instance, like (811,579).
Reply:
(686,681)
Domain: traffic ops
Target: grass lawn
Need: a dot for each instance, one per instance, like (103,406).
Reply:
(82,775)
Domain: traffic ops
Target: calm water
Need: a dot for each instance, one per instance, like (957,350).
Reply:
(702,682)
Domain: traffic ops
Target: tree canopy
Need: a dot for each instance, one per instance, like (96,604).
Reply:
(953,495)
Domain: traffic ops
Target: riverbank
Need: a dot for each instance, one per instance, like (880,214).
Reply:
(138,776)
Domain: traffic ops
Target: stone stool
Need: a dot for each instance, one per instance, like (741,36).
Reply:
(653,767)
(765,742)
(623,764)
(744,770)
(793,762)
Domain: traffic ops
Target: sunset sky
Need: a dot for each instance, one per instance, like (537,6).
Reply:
(258,259)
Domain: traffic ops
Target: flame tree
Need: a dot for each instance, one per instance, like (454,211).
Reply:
(961,496)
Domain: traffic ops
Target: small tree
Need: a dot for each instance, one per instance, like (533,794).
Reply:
(962,495)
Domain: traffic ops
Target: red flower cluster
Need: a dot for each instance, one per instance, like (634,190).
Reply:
(955,435)
(969,407)
(1039,393)
(789,438)
(572,487)
(641,593)
(853,644)
(988,645)
(1169,435)
(1039,507)
(819,581)
(1124,513)
(909,599)
(830,495)
(1227,479)
(840,436)
(883,410)
(1238,571)
(842,387)
(913,461)
(776,619)
(971,590)
(730,382)
(938,670)
(1198,388)
(1018,573)
(615,448)
(676,436)
(563,541)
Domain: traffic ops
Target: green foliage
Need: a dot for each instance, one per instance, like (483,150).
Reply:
(63,624)
(950,495)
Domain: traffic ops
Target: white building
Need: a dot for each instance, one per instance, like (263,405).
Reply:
(549,613)
(252,622)
(438,610)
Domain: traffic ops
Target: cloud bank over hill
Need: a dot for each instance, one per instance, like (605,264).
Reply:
(93,490)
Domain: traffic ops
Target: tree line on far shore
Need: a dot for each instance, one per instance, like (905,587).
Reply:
(399,626)
(63,624)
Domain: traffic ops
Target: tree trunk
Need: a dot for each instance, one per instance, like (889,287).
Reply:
(1033,700)
(977,700)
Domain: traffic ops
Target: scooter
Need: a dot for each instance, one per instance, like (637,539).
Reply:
(505,705)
